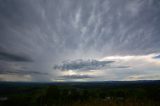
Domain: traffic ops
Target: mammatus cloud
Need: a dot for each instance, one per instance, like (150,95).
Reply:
(82,65)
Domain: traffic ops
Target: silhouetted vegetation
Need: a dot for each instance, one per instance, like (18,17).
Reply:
(143,93)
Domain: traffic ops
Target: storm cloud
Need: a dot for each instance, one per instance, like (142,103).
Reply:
(40,34)
(66,77)
(13,57)
(82,65)
(22,72)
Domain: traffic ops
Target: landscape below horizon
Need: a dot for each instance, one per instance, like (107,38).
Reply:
(79,40)
(107,93)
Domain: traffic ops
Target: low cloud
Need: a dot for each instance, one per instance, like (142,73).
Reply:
(13,57)
(77,77)
(143,77)
(22,72)
(157,57)
(82,65)
(8,77)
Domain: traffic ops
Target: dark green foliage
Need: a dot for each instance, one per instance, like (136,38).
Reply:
(80,94)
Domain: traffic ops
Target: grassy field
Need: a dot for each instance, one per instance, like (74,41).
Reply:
(81,94)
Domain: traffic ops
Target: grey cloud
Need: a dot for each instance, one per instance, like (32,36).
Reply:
(13,57)
(76,77)
(58,28)
(143,77)
(157,57)
(121,67)
(51,31)
(22,72)
(82,65)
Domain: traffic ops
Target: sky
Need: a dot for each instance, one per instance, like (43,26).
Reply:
(79,40)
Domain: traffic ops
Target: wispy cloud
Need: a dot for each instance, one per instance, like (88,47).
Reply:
(40,34)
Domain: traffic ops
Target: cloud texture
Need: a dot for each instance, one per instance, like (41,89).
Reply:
(82,65)
(40,34)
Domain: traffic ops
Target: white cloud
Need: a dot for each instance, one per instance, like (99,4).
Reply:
(141,67)
(136,60)
(143,77)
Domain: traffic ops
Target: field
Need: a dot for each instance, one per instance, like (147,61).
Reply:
(128,93)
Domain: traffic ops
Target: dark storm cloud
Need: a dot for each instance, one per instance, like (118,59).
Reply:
(121,67)
(13,57)
(76,77)
(51,31)
(82,65)
(22,72)
(54,28)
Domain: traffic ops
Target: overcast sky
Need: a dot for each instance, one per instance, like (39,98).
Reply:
(79,40)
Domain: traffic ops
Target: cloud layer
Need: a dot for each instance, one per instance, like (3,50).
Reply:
(82,65)
(67,77)
(40,34)
(13,57)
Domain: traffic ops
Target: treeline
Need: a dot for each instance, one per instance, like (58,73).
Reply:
(72,95)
